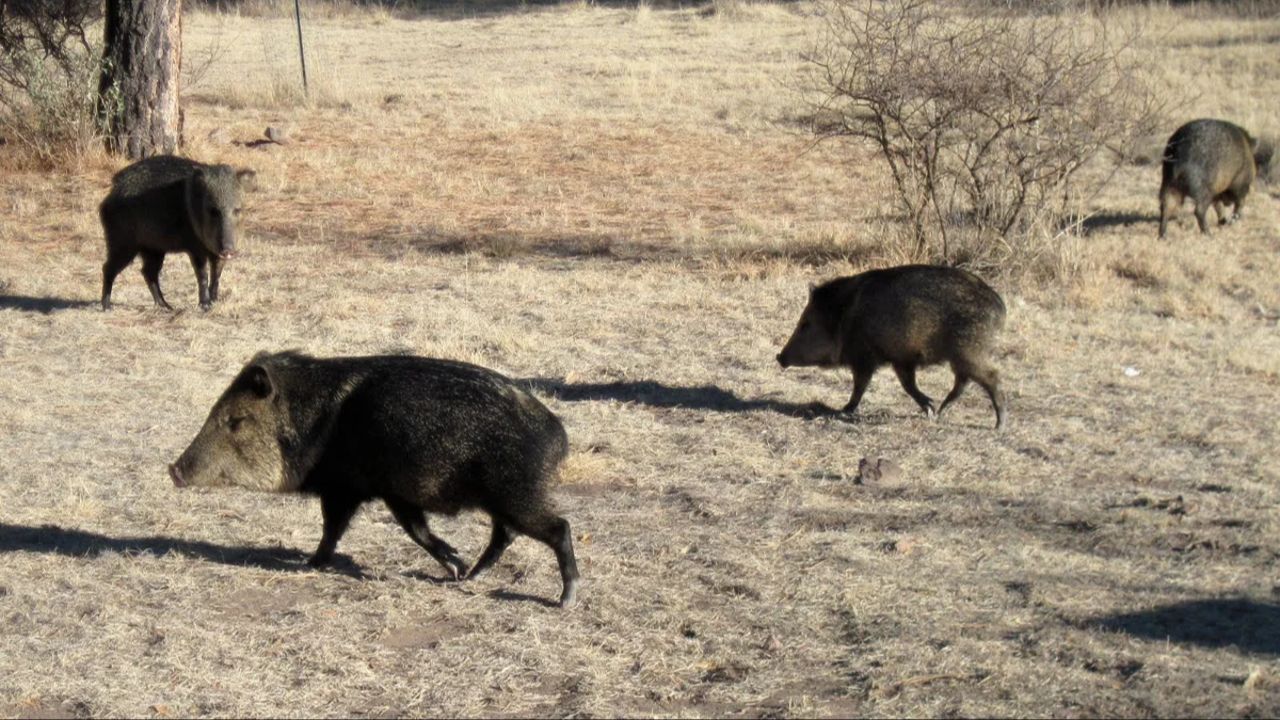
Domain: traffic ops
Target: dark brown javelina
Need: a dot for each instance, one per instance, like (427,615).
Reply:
(1213,162)
(422,435)
(167,204)
(907,317)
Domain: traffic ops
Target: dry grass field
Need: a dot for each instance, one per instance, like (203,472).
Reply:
(617,207)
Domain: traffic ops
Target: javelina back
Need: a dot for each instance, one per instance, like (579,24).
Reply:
(1212,162)
(422,435)
(167,204)
(907,316)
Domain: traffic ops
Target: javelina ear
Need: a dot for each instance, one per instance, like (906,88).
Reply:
(258,380)
(247,179)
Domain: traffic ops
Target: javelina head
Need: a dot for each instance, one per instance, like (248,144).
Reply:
(815,340)
(213,203)
(242,443)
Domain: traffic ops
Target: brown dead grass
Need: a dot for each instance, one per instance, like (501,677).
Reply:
(613,206)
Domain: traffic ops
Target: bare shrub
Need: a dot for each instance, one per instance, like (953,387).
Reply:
(984,117)
(49,75)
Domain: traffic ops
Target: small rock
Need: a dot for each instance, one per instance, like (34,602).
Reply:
(880,470)
(277,135)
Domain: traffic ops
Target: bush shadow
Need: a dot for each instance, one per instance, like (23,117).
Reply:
(43,305)
(1248,625)
(656,394)
(70,542)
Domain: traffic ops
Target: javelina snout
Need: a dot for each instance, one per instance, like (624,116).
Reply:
(907,317)
(421,435)
(1212,162)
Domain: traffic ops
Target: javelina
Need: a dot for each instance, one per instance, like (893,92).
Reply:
(905,316)
(167,204)
(421,435)
(1212,162)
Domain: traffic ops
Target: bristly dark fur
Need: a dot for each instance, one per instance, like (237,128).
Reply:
(907,317)
(167,204)
(422,435)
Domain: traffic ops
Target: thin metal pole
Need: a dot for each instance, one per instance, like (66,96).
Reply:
(302,55)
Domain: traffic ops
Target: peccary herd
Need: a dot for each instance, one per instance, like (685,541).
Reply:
(437,436)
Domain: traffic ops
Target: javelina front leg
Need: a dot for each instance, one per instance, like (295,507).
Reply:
(861,379)
(907,376)
(152,262)
(337,511)
(215,274)
(201,266)
(414,522)
(499,539)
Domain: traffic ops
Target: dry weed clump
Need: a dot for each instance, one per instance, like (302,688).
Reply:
(984,119)
(49,69)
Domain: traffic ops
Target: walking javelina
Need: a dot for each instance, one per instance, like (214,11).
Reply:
(421,435)
(167,204)
(905,316)
(1210,161)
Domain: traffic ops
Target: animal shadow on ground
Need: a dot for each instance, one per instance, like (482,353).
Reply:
(44,305)
(81,543)
(1250,626)
(656,394)
(1102,221)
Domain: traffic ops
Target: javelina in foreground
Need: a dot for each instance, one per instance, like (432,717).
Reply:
(167,204)
(905,316)
(421,435)
(1212,162)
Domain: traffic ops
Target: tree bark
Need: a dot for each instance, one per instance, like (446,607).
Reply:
(138,91)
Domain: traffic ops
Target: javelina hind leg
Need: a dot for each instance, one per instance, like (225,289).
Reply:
(201,266)
(337,511)
(152,261)
(554,532)
(498,542)
(989,379)
(1202,214)
(117,260)
(907,376)
(1170,200)
(1222,214)
(962,382)
(414,522)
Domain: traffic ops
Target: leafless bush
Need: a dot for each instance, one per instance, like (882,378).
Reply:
(48,75)
(984,118)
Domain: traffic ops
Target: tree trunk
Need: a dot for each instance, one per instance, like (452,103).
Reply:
(138,92)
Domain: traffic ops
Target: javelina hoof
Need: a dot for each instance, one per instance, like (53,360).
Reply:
(569,596)
(319,561)
(457,569)
(206,306)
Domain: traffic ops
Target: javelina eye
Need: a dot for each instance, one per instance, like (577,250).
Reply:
(234,423)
